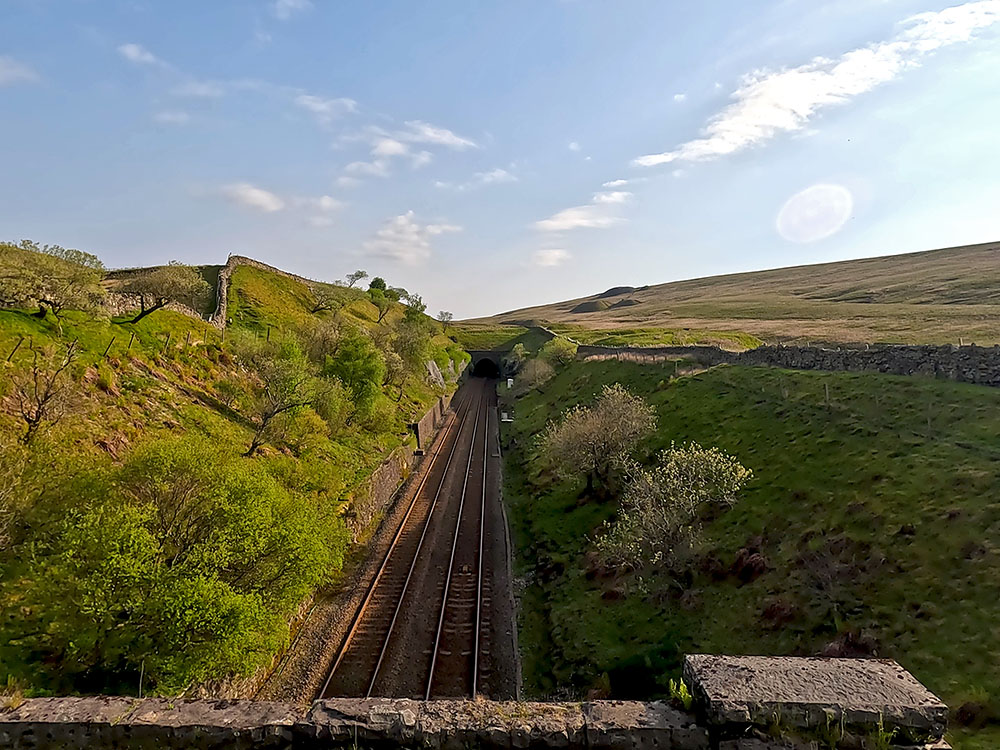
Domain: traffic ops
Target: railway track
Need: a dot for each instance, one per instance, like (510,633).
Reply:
(423,628)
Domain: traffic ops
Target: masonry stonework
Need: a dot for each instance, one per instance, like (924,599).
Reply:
(967,364)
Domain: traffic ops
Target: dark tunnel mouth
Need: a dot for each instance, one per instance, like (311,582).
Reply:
(486,368)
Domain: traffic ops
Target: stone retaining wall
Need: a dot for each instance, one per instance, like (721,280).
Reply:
(428,424)
(375,494)
(967,364)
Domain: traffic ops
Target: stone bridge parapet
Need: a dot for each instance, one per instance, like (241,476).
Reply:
(738,703)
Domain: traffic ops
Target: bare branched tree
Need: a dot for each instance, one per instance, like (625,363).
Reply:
(41,392)
(12,462)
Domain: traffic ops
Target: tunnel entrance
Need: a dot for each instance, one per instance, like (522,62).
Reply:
(486,368)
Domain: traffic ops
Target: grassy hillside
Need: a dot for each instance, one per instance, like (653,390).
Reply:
(135,538)
(940,296)
(875,514)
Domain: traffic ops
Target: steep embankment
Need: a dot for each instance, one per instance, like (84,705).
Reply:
(940,296)
(870,528)
(137,542)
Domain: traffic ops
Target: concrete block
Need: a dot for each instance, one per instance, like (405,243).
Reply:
(805,693)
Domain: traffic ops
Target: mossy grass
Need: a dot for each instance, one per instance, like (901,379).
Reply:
(875,512)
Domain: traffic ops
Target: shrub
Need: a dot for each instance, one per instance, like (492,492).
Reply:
(592,441)
(660,509)
(558,352)
(183,567)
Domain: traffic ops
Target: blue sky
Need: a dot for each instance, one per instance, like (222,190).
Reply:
(491,155)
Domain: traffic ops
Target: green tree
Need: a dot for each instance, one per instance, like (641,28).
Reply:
(396,293)
(355,277)
(283,385)
(51,277)
(381,302)
(444,317)
(558,352)
(329,298)
(358,364)
(416,309)
(158,287)
(378,283)
(182,565)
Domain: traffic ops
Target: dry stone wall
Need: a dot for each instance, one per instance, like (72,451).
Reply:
(220,316)
(119,303)
(968,364)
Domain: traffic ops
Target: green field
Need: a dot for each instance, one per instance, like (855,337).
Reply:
(940,296)
(876,514)
(732,340)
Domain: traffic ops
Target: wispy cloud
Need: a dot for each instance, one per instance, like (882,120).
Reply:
(573,146)
(771,102)
(200,89)
(172,117)
(680,98)
(406,239)
(615,183)
(321,208)
(253,197)
(615,196)
(417,131)
(136,53)
(550,257)
(373,168)
(285,9)
(599,214)
(479,179)
(389,145)
(12,72)
(326,110)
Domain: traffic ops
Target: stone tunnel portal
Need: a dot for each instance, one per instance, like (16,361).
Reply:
(486,367)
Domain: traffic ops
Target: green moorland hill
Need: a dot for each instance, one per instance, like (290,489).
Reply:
(939,296)
(870,527)
(137,542)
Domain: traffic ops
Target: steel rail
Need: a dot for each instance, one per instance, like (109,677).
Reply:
(359,615)
(454,547)
(416,555)
(482,534)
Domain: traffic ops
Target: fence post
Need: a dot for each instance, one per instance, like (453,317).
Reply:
(109,347)
(130,340)
(167,342)
(188,342)
(17,346)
